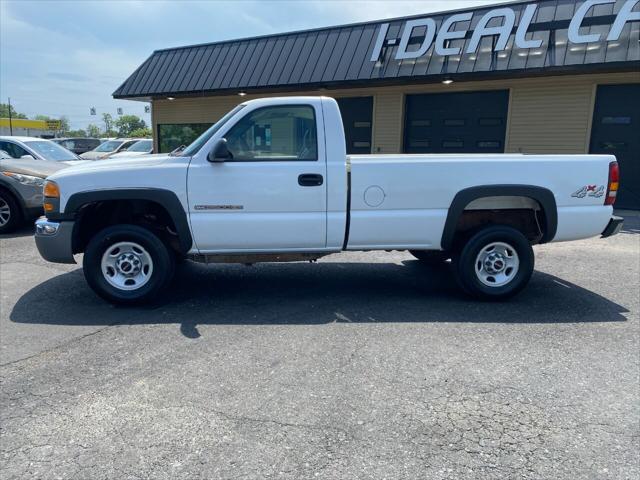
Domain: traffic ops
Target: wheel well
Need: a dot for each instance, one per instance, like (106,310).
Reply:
(522,213)
(95,216)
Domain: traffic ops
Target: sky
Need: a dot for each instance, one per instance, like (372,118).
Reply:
(64,57)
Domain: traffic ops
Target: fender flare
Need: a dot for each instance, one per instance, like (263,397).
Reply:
(543,196)
(166,198)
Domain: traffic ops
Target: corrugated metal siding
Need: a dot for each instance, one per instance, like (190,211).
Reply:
(342,54)
(547,115)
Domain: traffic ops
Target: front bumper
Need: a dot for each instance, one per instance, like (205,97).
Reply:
(613,227)
(54,240)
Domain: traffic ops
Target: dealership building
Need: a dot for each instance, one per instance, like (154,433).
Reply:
(548,76)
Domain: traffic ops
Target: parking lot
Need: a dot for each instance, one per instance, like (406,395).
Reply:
(364,365)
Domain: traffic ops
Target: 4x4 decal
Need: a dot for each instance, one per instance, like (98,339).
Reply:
(589,191)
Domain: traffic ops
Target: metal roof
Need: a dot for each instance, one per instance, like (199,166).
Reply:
(342,56)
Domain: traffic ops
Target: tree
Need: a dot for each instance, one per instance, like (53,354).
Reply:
(108,123)
(129,123)
(93,131)
(140,133)
(4,112)
(65,126)
(76,133)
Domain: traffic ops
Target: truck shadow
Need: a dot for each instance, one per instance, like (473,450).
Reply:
(24,231)
(631,221)
(301,294)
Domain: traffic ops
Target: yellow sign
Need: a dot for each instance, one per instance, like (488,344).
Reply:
(53,124)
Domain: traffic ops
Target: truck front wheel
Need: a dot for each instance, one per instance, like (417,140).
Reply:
(494,264)
(127,264)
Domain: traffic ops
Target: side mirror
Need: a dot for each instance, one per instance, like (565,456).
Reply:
(220,152)
(27,157)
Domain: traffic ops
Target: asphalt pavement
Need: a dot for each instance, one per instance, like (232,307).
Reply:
(363,365)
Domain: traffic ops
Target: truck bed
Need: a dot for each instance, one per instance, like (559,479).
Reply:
(391,194)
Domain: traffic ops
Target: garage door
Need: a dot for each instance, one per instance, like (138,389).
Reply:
(469,122)
(616,127)
(357,114)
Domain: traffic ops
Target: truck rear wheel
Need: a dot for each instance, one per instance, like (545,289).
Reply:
(127,264)
(494,264)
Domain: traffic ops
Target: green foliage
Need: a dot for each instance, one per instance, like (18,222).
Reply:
(76,133)
(108,123)
(93,131)
(129,123)
(4,112)
(140,133)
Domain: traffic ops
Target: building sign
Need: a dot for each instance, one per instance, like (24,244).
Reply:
(53,124)
(505,18)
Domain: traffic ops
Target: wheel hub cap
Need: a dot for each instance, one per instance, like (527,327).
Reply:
(5,212)
(497,264)
(126,266)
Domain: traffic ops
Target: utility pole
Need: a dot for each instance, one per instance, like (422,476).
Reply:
(10,121)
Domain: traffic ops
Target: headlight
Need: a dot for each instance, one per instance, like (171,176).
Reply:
(25,179)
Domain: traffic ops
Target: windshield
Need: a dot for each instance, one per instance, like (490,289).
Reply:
(52,151)
(141,146)
(108,146)
(199,142)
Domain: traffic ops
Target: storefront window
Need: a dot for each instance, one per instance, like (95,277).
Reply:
(172,135)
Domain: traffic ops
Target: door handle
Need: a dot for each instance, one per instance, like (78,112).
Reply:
(310,180)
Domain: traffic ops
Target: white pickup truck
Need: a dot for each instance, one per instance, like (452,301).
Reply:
(271,181)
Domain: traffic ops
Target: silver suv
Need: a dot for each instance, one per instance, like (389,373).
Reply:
(21,182)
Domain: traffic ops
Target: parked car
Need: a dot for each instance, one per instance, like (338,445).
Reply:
(248,192)
(21,182)
(141,147)
(4,155)
(108,148)
(78,145)
(37,149)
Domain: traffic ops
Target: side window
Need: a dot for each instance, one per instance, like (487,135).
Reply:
(16,151)
(286,132)
(125,146)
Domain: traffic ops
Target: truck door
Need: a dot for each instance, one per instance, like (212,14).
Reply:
(271,196)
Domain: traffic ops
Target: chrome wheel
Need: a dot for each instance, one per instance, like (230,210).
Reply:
(5,212)
(497,264)
(126,266)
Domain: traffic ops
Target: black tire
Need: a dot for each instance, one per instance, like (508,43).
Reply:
(8,201)
(464,263)
(163,264)
(430,257)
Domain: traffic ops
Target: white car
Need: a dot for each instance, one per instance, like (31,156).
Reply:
(110,147)
(141,147)
(271,182)
(33,148)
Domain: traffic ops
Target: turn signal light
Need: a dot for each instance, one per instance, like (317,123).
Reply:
(48,207)
(614,183)
(51,189)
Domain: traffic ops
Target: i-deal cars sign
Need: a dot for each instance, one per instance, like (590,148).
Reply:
(447,30)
